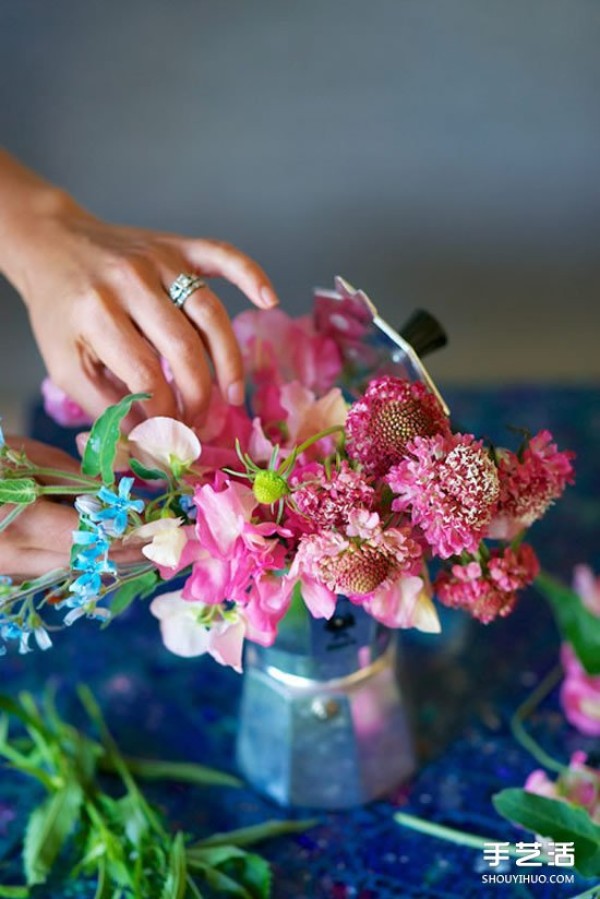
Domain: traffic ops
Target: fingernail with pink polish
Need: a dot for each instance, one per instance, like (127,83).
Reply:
(269,297)
(235,393)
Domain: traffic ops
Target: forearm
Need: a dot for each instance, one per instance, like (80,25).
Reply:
(26,199)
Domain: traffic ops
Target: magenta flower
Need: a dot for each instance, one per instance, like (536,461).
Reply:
(324,501)
(389,415)
(449,487)
(580,694)
(487,594)
(530,484)
(62,408)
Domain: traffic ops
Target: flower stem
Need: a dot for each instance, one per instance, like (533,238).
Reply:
(63,475)
(304,446)
(525,710)
(450,834)
(14,513)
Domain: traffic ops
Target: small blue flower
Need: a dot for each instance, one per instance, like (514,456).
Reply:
(118,505)
(187,504)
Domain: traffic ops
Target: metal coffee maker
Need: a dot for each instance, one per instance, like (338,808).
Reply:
(324,721)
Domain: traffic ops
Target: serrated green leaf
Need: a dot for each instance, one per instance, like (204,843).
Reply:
(139,588)
(48,827)
(147,474)
(577,624)
(101,448)
(18,491)
(557,820)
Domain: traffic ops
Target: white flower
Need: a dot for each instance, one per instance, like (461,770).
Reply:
(166,442)
(184,634)
(167,541)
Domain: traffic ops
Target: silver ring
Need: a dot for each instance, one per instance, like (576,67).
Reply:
(183,286)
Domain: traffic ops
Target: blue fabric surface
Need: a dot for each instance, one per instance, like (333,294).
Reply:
(464,688)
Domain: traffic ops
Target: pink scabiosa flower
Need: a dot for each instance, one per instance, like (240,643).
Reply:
(387,417)
(325,500)
(580,694)
(578,785)
(529,484)
(449,486)
(376,569)
(490,592)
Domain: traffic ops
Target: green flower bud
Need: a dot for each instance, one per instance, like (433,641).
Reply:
(268,487)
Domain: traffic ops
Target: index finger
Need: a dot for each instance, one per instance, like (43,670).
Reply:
(217,259)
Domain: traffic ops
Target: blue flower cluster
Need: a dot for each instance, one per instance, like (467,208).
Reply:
(103,517)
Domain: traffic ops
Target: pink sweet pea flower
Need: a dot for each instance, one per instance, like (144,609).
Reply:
(62,408)
(185,633)
(588,587)
(580,694)
(167,541)
(307,415)
(165,442)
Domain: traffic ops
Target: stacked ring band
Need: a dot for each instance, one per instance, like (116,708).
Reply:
(183,286)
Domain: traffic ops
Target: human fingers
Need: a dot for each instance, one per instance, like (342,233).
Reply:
(176,339)
(217,259)
(118,344)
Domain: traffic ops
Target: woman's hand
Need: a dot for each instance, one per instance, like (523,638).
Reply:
(39,540)
(97,296)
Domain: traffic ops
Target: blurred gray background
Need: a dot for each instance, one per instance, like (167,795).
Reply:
(438,154)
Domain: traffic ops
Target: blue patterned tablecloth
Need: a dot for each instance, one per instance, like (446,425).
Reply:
(464,687)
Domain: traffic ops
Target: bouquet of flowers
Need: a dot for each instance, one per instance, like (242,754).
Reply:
(317,488)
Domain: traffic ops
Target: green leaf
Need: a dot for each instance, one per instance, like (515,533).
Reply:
(48,827)
(101,448)
(147,474)
(577,624)
(557,820)
(245,836)
(19,491)
(175,885)
(243,874)
(185,772)
(138,588)
(14,892)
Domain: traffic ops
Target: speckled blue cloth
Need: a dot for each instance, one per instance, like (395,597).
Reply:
(464,685)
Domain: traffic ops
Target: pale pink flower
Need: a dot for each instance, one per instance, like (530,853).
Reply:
(587,586)
(580,694)
(166,541)
(449,486)
(164,442)
(387,417)
(578,785)
(223,424)
(268,600)
(404,603)
(188,631)
(325,501)
(492,593)
(62,408)
(306,415)
(529,485)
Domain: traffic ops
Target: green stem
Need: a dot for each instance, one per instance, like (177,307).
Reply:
(64,476)
(525,710)
(60,490)
(304,446)
(14,513)
(452,835)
